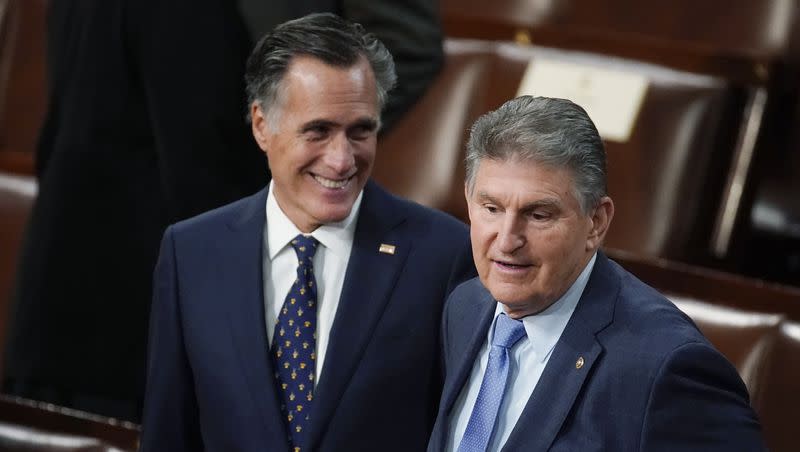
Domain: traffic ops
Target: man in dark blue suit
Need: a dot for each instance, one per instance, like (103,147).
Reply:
(305,317)
(555,347)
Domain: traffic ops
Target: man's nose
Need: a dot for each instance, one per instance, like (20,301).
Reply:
(340,156)
(511,236)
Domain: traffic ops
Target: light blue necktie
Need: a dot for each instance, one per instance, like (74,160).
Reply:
(507,332)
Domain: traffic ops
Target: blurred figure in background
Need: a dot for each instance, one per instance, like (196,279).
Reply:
(145,127)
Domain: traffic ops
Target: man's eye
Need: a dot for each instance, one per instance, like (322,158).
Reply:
(490,208)
(540,216)
(317,133)
(360,133)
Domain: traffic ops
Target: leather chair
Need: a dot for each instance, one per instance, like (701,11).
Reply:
(665,179)
(746,338)
(753,323)
(16,197)
(777,399)
(422,157)
(31,426)
(765,348)
(772,240)
(711,286)
(742,37)
(755,46)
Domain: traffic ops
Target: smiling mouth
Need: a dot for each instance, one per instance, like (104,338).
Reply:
(512,266)
(332,183)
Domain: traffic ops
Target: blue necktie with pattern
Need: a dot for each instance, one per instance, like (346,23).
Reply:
(293,345)
(507,332)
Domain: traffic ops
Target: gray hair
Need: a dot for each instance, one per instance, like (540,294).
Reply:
(324,36)
(548,131)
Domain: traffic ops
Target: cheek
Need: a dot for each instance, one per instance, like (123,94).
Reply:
(479,236)
(365,152)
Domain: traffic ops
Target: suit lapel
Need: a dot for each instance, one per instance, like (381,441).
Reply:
(470,322)
(568,368)
(369,280)
(243,288)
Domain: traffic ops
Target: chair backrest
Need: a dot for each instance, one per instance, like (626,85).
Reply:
(754,324)
(664,178)
(711,286)
(31,426)
(753,45)
(422,156)
(773,240)
(746,338)
(776,400)
(711,33)
(765,348)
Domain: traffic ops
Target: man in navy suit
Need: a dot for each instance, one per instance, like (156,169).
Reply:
(555,347)
(305,317)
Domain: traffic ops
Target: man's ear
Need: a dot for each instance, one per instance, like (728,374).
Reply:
(601,220)
(260,126)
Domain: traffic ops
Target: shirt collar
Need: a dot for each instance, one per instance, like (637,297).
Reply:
(337,237)
(545,328)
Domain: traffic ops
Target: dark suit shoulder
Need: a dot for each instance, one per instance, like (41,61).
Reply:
(651,307)
(417,214)
(228,214)
(647,328)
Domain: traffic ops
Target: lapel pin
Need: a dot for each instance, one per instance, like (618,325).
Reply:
(386,249)
(579,362)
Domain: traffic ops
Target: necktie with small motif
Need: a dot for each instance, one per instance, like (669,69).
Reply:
(293,345)
(480,426)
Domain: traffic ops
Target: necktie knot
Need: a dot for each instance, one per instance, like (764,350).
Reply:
(507,331)
(305,246)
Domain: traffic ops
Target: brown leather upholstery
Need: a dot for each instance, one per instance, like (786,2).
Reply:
(16,197)
(754,45)
(777,399)
(665,180)
(773,244)
(422,156)
(745,338)
(765,348)
(711,286)
(22,81)
(721,36)
(37,427)
(754,324)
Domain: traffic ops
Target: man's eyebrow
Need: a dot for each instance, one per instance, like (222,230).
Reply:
(538,204)
(365,123)
(317,124)
(542,203)
(483,196)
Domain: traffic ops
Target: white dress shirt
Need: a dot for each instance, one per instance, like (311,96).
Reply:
(528,359)
(330,263)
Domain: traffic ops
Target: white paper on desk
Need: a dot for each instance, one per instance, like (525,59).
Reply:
(612,98)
